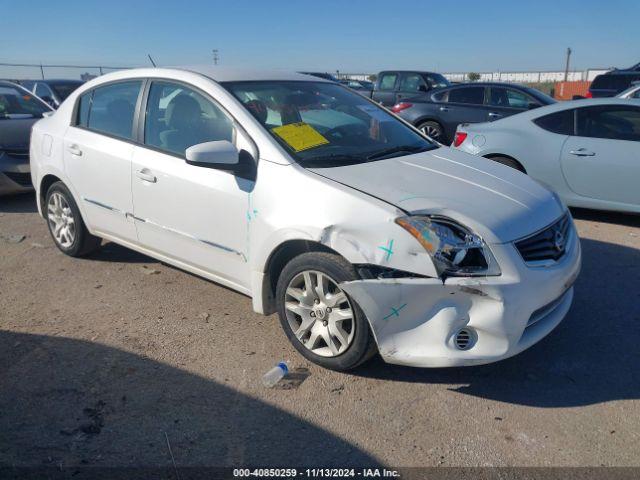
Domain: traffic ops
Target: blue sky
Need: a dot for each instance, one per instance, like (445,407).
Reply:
(326,35)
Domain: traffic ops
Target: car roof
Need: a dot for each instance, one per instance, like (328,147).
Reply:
(216,73)
(232,74)
(8,83)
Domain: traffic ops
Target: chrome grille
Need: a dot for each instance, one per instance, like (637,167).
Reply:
(548,245)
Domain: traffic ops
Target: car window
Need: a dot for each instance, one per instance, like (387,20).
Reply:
(323,125)
(178,117)
(437,81)
(411,82)
(16,103)
(84,105)
(558,122)
(42,90)
(610,121)
(388,81)
(470,95)
(111,109)
(508,97)
(636,94)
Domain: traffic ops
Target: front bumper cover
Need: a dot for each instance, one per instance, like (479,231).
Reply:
(415,320)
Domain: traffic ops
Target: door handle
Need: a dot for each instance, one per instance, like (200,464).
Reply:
(494,115)
(146,176)
(444,109)
(582,152)
(74,150)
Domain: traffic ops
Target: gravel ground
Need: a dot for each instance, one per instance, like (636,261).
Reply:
(108,359)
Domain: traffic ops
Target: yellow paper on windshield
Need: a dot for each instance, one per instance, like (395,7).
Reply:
(300,136)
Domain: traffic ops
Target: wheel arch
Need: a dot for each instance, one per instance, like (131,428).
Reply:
(276,262)
(492,156)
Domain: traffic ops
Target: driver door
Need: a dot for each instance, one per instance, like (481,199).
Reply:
(192,214)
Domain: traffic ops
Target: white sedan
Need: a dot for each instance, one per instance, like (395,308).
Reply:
(588,151)
(320,205)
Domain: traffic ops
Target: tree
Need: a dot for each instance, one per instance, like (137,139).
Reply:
(473,76)
(373,77)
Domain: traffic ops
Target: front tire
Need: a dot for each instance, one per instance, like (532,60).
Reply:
(320,320)
(65,223)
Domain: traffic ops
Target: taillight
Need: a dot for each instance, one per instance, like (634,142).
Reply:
(589,94)
(459,138)
(398,107)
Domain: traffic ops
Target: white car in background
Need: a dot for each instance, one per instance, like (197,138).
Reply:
(316,202)
(588,151)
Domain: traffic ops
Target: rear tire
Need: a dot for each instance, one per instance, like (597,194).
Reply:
(65,223)
(433,130)
(323,323)
(509,162)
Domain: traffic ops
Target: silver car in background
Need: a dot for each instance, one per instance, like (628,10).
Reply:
(588,151)
(632,92)
(19,110)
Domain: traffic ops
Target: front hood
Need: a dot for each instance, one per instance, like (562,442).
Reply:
(497,202)
(14,133)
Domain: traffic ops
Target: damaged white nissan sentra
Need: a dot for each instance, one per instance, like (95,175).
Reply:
(361,233)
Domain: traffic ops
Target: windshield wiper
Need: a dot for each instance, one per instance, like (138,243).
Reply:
(334,160)
(384,153)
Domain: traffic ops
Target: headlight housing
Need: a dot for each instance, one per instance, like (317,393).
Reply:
(455,250)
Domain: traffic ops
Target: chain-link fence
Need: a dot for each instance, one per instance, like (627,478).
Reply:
(31,71)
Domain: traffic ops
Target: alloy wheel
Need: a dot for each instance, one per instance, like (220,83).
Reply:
(61,220)
(431,130)
(319,313)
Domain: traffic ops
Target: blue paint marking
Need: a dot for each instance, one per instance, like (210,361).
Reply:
(395,311)
(388,249)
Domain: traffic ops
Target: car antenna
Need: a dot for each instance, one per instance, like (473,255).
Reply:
(151,59)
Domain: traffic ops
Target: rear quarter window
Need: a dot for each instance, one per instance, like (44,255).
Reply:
(561,123)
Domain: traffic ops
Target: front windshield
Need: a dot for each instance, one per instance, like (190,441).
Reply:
(327,125)
(16,103)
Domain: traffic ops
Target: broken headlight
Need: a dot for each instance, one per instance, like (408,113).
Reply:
(455,250)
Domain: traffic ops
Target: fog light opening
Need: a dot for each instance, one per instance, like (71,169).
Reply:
(465,339)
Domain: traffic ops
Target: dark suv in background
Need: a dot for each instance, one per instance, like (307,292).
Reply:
(612,83)
(394,85)
(439,113)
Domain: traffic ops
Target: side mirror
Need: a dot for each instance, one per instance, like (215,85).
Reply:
(220,154)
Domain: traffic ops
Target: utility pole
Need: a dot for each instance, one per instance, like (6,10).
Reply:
(216,57)
(566,68)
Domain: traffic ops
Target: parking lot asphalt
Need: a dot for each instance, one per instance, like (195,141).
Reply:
(111,359)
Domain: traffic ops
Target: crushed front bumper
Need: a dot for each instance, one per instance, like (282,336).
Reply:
(415,320)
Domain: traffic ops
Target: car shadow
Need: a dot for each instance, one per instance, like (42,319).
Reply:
(627,219)
(21,203)
(67,402)
(591,357)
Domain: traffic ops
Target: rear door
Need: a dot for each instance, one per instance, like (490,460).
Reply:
(464,104)
(385,94)
(504,102)
(97,154)
(603,160)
